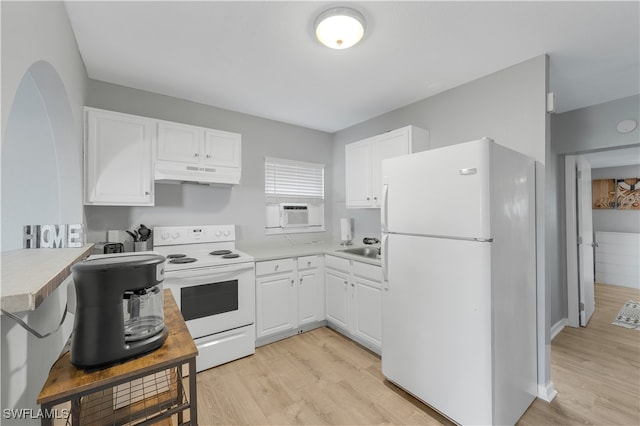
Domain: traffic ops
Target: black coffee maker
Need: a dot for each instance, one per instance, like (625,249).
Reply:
(119,310)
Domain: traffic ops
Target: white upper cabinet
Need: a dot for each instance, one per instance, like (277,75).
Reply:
(192,153)
(221,148)
(179,143)
(357,159)
(118,159)
(363,163)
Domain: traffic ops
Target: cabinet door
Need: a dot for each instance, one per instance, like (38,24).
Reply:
(222,149)
(366,298)
(388,145)
(179,143)
(276,304)
(337,303)
(357,170)
(118,159)
(309,297)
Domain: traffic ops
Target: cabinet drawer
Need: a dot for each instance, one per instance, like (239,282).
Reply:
(366,270)
(306,262)
(273,266)
(338,263)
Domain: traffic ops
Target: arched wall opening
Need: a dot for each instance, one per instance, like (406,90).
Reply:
(41,167)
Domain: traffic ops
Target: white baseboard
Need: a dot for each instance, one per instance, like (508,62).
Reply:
(557,327)
(547,392)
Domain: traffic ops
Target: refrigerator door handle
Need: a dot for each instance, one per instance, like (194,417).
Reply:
(383,215)
(385,253)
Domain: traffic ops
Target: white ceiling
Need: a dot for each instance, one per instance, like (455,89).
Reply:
(261,58)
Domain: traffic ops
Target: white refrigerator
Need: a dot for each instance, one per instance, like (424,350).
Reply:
(459,299)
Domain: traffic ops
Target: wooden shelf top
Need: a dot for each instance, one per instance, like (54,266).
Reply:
(66,380)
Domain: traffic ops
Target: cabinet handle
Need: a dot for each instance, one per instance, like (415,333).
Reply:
(309,263)
(147,193)
(300,280)
(196,155)
(208,155)
(292,281)
(375,198)
(353,285)
(276,267)
(368,198)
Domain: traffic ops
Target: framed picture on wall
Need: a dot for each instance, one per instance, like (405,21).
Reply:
(628,194)
(604,194)
(620,194)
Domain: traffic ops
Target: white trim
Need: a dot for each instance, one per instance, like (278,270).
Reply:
(573,298)
(547,392)
(558,327)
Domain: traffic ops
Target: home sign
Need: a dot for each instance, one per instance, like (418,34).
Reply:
(52,236)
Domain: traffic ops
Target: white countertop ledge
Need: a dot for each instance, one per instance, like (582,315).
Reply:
(30,275)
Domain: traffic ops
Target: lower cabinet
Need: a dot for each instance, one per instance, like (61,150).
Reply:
(337,290)
(354,300)
(289,296)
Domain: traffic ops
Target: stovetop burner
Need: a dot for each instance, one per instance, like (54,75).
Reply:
(182,259)
(176,256)
(220,252)
(230,256)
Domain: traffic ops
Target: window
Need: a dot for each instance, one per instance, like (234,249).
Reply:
(293,179)
(294,195)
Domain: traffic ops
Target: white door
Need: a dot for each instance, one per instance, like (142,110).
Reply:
(585,241)
(118,159)
(357,171)
(442,192)
(437,324)
(179,143)
(337,289)
(367,310)
(308,292)
(276,304)
(387,145)
(222,149)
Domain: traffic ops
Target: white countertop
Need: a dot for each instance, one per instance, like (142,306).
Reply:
(30,275)
(282,249)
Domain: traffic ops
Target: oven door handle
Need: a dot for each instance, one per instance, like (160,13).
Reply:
(199,272)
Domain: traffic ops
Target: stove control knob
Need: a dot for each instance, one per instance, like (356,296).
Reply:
(218,233)
(165,235)
(175,235)
(226,232)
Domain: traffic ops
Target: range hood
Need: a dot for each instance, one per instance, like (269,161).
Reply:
(208,175)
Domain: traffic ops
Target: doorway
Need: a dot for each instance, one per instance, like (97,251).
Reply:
(580,244)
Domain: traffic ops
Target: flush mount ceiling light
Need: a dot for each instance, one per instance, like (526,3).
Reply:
(340,27)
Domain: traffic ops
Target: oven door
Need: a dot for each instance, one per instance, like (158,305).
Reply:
(214,299)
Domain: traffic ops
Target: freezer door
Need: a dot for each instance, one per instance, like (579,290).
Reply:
(436,331)
(444,191)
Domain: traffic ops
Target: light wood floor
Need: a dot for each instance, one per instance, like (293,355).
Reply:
(595,369)
(320,377)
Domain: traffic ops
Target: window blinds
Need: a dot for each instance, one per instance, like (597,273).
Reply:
(293,179)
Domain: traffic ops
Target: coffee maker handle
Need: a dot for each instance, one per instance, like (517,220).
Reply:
(71,297)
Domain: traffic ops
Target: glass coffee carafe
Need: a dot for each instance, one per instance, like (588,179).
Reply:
(143,313)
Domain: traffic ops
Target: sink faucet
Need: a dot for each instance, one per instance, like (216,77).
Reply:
(373,240)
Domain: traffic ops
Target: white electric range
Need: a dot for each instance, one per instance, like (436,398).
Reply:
(214,286)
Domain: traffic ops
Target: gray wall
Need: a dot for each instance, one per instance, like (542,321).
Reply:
(612,220)
(37,39)
(190,204)
(580,131)
(594,128)
(507,106)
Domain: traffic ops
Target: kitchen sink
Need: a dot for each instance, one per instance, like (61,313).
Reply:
(371,252)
